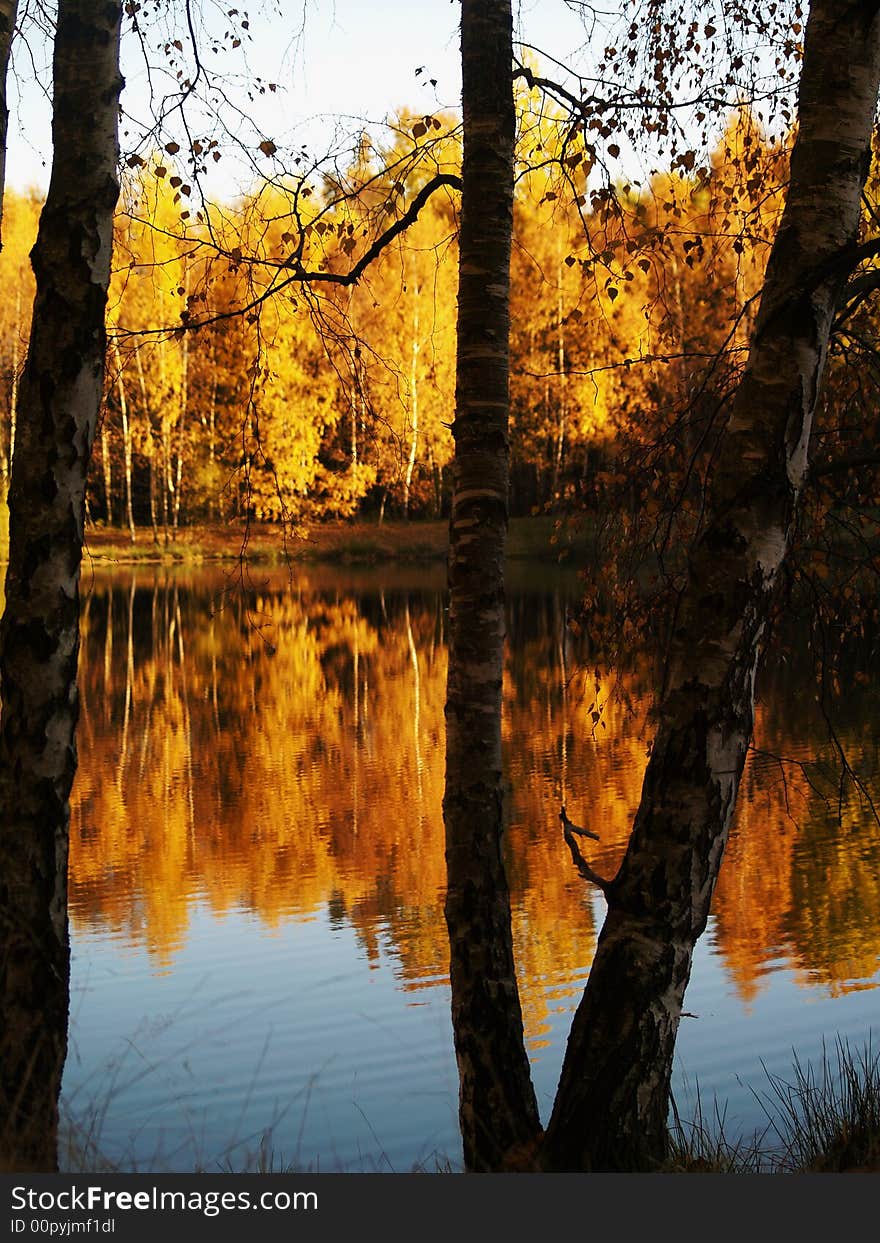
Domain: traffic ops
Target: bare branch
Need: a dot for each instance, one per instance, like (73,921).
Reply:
(301,276)
(569,830)
(570,827)
(852,461)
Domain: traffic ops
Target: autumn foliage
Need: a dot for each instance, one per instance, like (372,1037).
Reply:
(248,377)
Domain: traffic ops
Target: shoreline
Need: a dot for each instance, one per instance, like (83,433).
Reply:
(345,543)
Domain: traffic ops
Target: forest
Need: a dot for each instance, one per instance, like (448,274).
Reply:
(318,404)
(634,302)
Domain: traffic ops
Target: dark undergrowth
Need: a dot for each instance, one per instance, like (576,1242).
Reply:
(825,1118)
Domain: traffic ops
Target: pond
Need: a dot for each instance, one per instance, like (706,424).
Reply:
(257,874)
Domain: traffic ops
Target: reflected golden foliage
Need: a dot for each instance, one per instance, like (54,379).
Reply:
(754,889)
(253,770)
(279,750)
(800,878)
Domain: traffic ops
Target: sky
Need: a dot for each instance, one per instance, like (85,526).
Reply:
(331,60)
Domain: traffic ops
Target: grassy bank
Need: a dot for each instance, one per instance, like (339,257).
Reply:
(823,1119)
(358,543)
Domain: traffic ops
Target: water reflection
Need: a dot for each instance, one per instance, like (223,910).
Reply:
(280,751)
(800,879)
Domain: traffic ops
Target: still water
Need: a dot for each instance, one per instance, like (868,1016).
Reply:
(257,873)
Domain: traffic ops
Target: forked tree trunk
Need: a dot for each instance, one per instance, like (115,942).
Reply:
(39,634)
(498,1112)
(611,1106)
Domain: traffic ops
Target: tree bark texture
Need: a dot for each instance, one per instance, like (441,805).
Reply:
(8,12)
(39,634)
(611,1106)
(498,1112)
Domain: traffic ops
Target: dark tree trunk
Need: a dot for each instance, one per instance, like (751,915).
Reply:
(498,1112)
(8,10)
(39,634)
(611,1106)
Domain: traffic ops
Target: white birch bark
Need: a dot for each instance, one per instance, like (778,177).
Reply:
(59,399)
(611,1107)
(498,1111)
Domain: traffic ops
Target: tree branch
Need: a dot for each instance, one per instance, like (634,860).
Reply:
(409,217)
(853,461)
(569,830)
(855,293)
(301,276)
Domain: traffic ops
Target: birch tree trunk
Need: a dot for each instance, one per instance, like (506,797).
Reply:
(561,394)
(126,437)
(415,350)
(8,11)
(39,634)
(108,473)
(612,1102)
(498,1112)
(181,420)
(6,466)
